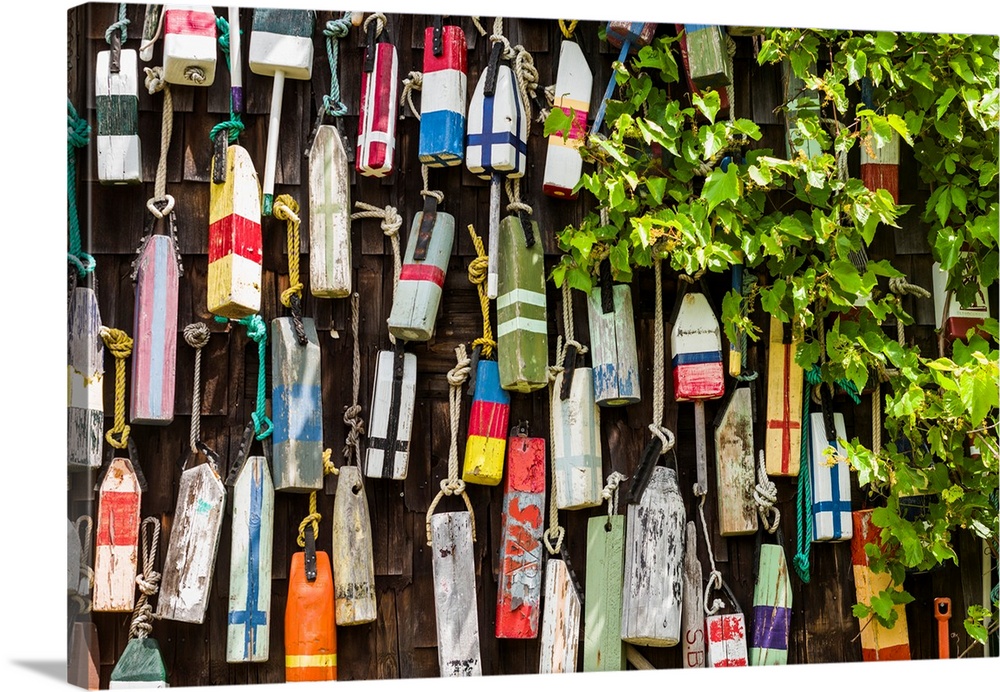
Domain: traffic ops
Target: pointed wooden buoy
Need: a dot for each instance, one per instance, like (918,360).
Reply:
(119,154)
(488,418)
(602,625)
(442,104)
(830,478)
(421,278)
(653,584)
(519,582)
(194,541)
(878,643)
(393,399)
(522,322)
(83,667)
(560,635)
(353,564)
(297,409)
(959,318)
(116,542)
(734,466)
(784,403)
(139,667)
(234,239)
(154,352)
(727,640)
(563,163)
(189,45)
(310,633)
(693,610)
(772,608)
(379,106)
(329,216)
(455,608)
(576,435)
(85,435)
(708,58)
(612,347)
(249,618)
(281,45)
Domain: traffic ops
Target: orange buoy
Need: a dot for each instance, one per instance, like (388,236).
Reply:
(310,633)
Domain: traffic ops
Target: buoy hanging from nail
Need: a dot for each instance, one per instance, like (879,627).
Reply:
(878,643)
(442,104)
(602,625)
(830,475)
(563,163)
(784,402)
(879,163)
(329,216)
(393,399)
(119,152)
(379,102)
(116,546)
(189,46)
(772,607)
(310,632)
(85,434)
(734,465)
(612,342)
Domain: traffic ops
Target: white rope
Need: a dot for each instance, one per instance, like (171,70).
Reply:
(391,223)
(479,27)
(155,82)
(659,371)
(513,187)
(413,82)
(765,494)
(715,576)
(148,582)
(426,191)
(731,87)
(196,335)
(352,413)
(610,491)
(379,20)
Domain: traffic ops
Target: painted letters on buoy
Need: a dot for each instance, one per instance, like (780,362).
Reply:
(831,483)
(522,326)
(563,163)
(488,418)
(421,278)
(576,436)
(329,216)
(442,101)
(116,544)
(784,403)
(310,634)
(693,608)
(119,154)
(393,399)
(379,105)
(85,434)
(234,239)
(189,45)
(154,353)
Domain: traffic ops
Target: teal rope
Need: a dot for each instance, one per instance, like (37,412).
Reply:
(235,123)
(121,25)
(803,510)
(335,29)
(257,330)
(79,136)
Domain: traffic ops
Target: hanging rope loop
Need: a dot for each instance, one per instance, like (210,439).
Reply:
(335,30)
(120,26)
(352,413)
(379,20)
(656,427)
(155,82)
(391,223)
(715,581)
(567,29)
(610,491)
(478,269)
(78,130)
(148,580)
(414,81)
(765,494)
(513,188)
(120,345)
(196,335)
(313,519)
(426,191)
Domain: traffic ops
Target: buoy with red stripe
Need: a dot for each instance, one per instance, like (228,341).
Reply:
(421,278)
(784,403)
(116,547)
(950,315)
(442,105)
(189,46)
(487,441)
(878,643)
(879,164)
(379,102)
(563,163)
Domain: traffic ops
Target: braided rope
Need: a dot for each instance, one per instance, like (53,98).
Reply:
(120,345)
(79,136)
(610,491)
(335,29)
(313,518)
(803,500)
(426,191)
(901,287)
(121,26)
(479,27)
(513,187)
(257,332)
(765,494)
(379,20)
(715,576)
(526,75)
(352,413)
(659,368)
(287,209)
(155,82)
(413,82)
(731,87)
(453,485)
(567,31)
(477,277)
(391,223)
(148,581)
(196,335)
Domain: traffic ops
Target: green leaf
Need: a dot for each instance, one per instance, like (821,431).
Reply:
(959,198)
(558,121)
(945,100)
(846,274)
(976,631)
(856,66)
(721,187)
(656,186)
(579,279)
(980,393)
(761,176)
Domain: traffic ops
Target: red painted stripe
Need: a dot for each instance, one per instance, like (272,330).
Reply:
(453,50)
(422,272)
(730,663)
(118,523)
(155,322)
(578,128)
(234,234)
(881,176)
(785,424)
(383,81)
(698,381)
(526,464)
(489,419)
(375,95)
(958,327)
(189,22)
(900,652)
(376,155)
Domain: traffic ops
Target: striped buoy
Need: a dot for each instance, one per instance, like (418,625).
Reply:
(379,104)
(310,633)
(487,440)
(189,45)
(442,105)
(563,163)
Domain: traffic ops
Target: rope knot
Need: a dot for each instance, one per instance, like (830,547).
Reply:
(714,581)
(286,209)
(460,373)
(337,28)
(256,329)
(79,129)
(666,436)
(452,486)
(148,583)
(117,341)
(379,20)
(765,494)
(196,334)
(154,81)
(580,348)
(194,74)
(900,286)
(558,533)
(414,81)
(352,418)
(121,25)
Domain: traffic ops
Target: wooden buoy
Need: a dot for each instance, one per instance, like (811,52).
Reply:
(653,584)
(629,36)
(353,564)
(194,541)
(563,163)
(879,165)
(693,610)
(696,345)
(772,608)
(708,58)
(139,667)
(522,322)
(878,643)
(249,619)
(421,278)
(119,154)
(379,106)
(234,239)
(560,635)
(310,633)
(685,58)
(959,319)
(802,102)
(602,625)
(154,353)
(488,418)
(576,435)
(727,640)
(734,465)
(442,104)
(830,477)
(83,667)
(393,399)
(297,409)
(281,45)
(85,433)
(612,346)
(784,403)
(519,582)
(456,612)
(189,45)
(329,216)
(116,543)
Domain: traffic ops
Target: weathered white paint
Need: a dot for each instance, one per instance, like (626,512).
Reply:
(329,216)
(734,466)
(189,45)
(376,465)
(576,436)
(116,539)
(455,608)
(563,163)
(353,564)
(560,632)
(85,435)
(119,154)
(693,643)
